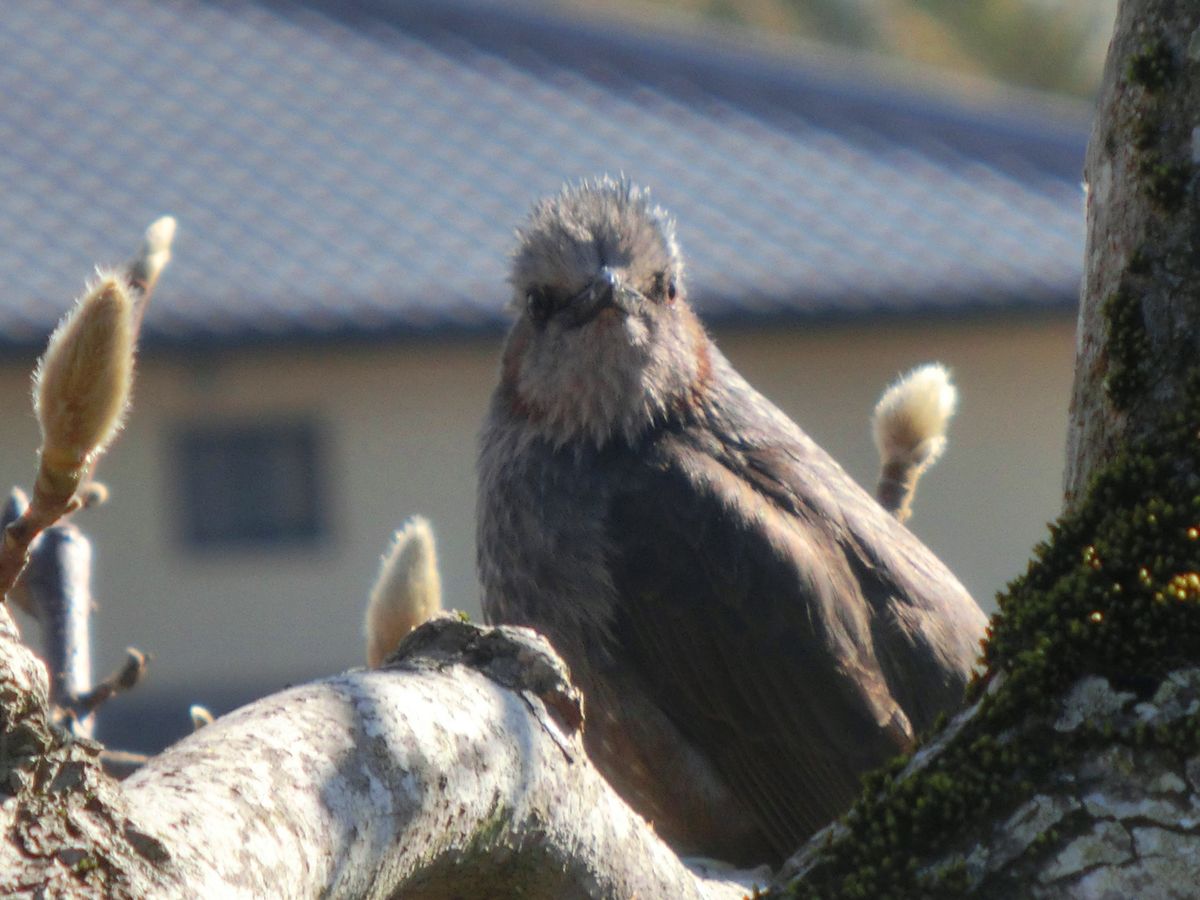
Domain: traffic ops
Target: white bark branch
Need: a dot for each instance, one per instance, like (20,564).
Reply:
(458,770)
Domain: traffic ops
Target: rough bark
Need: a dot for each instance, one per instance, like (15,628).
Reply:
(456,771)
(1114,813)
(1139,316)
(64,822)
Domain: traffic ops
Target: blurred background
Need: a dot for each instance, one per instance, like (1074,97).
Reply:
(860,186)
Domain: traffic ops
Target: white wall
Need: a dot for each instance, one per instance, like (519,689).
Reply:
(402,423)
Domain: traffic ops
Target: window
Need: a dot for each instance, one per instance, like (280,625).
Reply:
(250,485)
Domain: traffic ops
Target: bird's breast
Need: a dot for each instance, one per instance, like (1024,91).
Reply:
(541,544)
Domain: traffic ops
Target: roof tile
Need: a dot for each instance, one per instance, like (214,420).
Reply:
(361,172)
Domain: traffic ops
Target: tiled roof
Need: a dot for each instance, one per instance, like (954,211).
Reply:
(358,168)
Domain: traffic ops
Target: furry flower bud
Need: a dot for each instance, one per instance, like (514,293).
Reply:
(407,592)
(909,426)
(82,383)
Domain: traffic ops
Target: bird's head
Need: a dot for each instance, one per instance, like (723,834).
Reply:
(604,343)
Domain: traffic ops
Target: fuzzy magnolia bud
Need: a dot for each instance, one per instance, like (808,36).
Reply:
(407,592)
(200,716)
(82,383)
(909,426)
(155,253)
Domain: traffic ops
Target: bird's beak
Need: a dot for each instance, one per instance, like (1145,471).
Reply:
(605,292)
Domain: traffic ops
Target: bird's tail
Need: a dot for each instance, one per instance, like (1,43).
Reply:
(909,426)
(407,592)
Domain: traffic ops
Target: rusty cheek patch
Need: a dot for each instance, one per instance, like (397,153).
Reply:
(696,392)
(510,368)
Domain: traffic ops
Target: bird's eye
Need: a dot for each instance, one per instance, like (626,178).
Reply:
(663,288)
(540,305)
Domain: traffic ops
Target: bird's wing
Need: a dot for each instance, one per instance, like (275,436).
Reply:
(925,627)
(748,622)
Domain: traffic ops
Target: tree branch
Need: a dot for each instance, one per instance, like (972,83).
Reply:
(125,678)
(58,583)
(457,770)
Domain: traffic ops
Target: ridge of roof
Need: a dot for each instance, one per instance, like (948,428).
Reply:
(769,75)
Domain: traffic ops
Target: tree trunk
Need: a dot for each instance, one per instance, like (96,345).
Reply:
(1139,316)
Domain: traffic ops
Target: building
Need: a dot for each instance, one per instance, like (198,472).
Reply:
(346,178)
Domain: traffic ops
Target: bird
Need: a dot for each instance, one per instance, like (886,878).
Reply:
(750,629)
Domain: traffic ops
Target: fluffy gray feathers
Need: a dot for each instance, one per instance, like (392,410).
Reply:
(603,222)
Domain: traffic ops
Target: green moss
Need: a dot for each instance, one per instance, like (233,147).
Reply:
(85,865)
(1167,183)
(1152,66)
(1114,592)
(1128,345)
(1139,261)
(1145,131)
(488,832)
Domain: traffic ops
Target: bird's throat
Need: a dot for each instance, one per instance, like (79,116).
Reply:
(613,380)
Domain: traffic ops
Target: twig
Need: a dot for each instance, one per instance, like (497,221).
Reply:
(14,508)
(81,390)
(15,552)
(120,764)
(123,679)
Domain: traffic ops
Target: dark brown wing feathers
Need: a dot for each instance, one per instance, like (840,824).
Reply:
(737,643)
